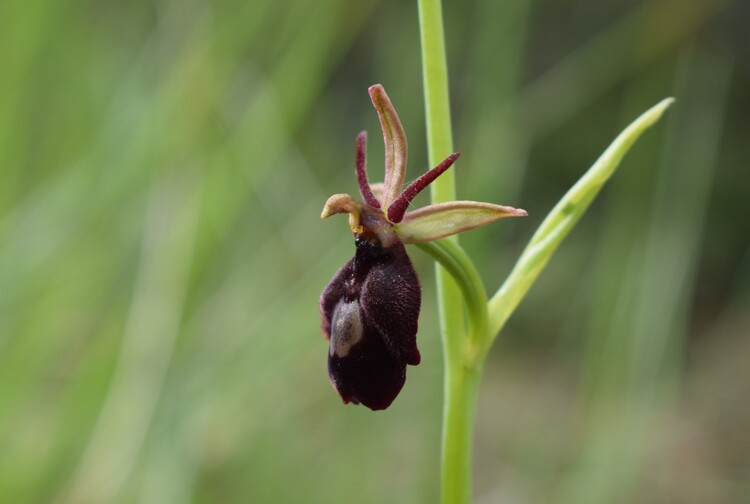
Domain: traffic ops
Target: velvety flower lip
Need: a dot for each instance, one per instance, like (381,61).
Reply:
(370,308)
(370,311)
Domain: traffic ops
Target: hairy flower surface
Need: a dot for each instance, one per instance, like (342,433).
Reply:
(371,306)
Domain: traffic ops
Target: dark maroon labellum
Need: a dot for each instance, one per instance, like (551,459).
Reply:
(370,311)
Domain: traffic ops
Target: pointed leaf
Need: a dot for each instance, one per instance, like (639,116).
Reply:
(444,219)
(395,144)
(561,219)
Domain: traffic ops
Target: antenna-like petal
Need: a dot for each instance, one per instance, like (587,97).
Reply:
(364,184)
(398,208)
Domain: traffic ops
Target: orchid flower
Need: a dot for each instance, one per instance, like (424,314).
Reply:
(370,308)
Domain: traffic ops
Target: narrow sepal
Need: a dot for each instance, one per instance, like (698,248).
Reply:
(444,219)
(364,184)
(396,151)
(398,208)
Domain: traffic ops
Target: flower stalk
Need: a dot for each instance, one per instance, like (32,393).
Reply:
(461,379)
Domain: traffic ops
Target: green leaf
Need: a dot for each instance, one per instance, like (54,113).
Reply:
(561,220)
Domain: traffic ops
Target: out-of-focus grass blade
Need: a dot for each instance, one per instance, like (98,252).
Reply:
(152,329)
(633,361)
(544,112)
(561,220)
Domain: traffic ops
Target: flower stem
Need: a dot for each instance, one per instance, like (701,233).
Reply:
(437,101)
(461,391)
(457,262)
(461,379)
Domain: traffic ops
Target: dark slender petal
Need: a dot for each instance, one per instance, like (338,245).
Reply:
(398,208)
(364,184)
(370,313)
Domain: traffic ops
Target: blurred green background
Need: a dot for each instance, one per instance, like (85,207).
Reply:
(163,165)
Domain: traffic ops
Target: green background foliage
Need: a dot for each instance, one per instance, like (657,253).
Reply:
(163,166)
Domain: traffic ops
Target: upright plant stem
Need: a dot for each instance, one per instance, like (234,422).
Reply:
(437,100)
(460,401)
(460,381)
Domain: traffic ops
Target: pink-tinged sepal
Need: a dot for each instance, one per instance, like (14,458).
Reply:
(396,150)
(444,219)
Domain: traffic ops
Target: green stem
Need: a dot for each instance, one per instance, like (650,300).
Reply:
(458,263)
(461,380)
(459,409)
(437,101)
(464,352)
